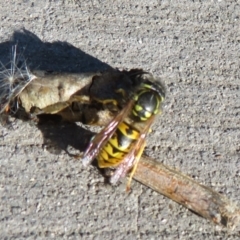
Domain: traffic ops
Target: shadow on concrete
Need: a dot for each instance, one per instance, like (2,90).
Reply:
(54,57)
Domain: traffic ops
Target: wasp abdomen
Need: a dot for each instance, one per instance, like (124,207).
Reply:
(117,146)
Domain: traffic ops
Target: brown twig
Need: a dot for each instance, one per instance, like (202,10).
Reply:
(184,190)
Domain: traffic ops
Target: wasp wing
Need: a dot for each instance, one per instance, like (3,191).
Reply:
(133,156)
(101,138)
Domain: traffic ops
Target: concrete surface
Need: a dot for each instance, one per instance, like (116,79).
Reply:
(194,47)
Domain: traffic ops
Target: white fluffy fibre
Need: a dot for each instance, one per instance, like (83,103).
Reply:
(13,79)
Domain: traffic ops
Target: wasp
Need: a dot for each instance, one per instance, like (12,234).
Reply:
(120,143)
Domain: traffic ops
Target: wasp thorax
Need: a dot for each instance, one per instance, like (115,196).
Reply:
(147,103)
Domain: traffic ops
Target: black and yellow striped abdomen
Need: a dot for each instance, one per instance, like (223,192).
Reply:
(117,146)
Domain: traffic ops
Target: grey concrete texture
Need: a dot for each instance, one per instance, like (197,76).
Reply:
(193,47)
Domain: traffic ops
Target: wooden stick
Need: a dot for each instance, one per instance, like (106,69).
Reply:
(184,190)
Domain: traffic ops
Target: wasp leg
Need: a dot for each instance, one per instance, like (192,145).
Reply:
(107,101)
(112,101)
(122,91)
(135,166)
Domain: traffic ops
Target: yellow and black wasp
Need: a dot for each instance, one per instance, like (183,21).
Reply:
(121,143)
